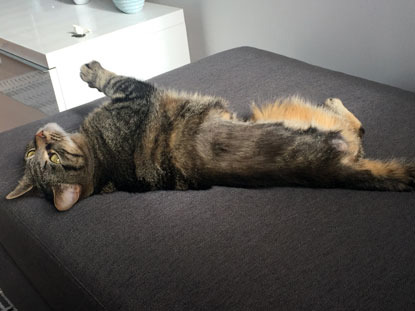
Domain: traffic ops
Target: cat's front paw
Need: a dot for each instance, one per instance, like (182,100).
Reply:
(90,73)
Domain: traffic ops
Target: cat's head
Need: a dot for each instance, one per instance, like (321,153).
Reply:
(59,165)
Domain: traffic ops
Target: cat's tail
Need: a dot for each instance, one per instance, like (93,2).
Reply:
(367,174)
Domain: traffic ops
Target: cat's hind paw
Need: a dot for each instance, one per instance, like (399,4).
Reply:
(335,104)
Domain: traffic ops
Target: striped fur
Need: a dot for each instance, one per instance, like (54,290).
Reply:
(146,138)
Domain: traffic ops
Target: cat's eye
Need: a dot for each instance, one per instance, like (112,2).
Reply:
(55,158)
(30,153)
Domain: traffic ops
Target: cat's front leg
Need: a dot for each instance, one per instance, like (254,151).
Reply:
(112,85)
(96,76)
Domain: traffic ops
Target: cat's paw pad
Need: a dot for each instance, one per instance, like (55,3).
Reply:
(90,71)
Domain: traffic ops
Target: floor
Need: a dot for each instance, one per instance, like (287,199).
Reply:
(12,112)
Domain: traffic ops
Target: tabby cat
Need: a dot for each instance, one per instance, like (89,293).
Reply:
(146,138)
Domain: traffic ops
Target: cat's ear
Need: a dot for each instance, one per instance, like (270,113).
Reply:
(66,195)
(24,185)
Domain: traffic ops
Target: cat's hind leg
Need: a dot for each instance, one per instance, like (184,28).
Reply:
(299,114)
(352,130)
(113,85)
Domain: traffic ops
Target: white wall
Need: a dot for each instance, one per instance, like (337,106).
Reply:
(373,39)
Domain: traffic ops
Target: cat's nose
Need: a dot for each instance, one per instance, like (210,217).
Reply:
(40,134)
(40,138)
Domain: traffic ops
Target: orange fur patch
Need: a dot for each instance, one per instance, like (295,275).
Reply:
(390,169)
(296,113)
(226,115)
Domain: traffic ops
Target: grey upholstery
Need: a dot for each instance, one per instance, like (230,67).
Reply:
(17,288)
(227,248)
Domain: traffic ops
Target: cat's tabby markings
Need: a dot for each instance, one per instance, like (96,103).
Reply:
(147,138)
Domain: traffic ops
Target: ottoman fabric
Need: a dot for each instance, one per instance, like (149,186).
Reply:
(227,248)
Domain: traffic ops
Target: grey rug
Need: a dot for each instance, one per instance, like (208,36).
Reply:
(32,89)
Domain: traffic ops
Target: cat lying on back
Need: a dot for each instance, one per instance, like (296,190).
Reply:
(147,139)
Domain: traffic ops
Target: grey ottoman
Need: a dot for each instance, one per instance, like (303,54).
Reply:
(227,248)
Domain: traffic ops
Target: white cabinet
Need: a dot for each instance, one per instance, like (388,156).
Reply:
(142,45)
